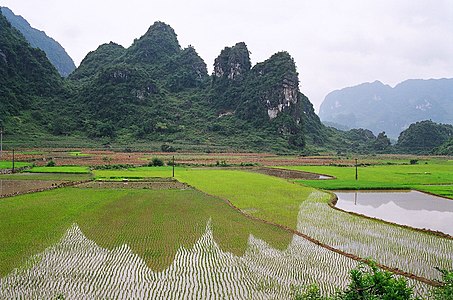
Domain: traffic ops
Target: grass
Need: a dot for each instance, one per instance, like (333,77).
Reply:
(9,164)
(418,176)
(441,190)
(135,173)
(60,169)
(78,154)
(153,223)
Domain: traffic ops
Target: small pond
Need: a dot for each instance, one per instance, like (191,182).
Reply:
(411,208)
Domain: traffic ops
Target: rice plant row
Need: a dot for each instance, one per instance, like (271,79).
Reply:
(393,246)
(78,268)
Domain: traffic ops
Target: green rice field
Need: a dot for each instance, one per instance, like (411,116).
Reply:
(188,242)
(435,177)
(60,169)
(9,164)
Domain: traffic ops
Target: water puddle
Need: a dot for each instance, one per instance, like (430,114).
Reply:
(411,208)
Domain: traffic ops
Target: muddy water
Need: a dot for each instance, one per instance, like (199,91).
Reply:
(409,208)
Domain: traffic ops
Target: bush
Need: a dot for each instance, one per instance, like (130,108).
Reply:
(445,291)
(413,161)
(156,162)
(368,282)
(51,163)
(167,148)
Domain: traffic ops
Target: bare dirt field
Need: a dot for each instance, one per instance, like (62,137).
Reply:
(8,187)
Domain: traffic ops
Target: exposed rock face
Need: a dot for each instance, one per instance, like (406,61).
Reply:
(279,81)
(289,96)
(233,62)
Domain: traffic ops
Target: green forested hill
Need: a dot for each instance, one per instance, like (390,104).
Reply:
(425,136)
(155,91)
(28,81)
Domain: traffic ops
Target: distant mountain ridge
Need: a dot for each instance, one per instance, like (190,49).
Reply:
(38,39)
(379,107)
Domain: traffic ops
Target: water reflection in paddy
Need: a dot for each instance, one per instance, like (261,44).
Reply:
(410,208)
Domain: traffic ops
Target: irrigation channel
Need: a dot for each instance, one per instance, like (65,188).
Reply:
(410,208)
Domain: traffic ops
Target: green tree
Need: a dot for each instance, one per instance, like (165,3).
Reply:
(382,142)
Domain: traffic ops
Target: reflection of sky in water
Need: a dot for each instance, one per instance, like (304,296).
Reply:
(412,208)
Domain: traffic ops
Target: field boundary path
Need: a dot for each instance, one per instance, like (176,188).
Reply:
(56,186)
(397,271)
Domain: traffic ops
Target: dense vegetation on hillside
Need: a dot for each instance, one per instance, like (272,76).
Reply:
(424,137)
(156,91)
(38,39)
(28,81)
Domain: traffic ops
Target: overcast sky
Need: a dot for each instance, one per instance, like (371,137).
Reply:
(335,43)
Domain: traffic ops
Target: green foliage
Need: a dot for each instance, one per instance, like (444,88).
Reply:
(445,291)
(153,223)
(96,60)
(156,162)
(167,148)
(27,78)
(156,91)
(311,292)
(51,163)
(369,282)
(445,149)
(52,168)
(156,45)
(9,164)
(382,142)
(424,137)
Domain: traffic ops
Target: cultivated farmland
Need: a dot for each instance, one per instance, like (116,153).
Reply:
(287,203)
(140,235)
(180,243)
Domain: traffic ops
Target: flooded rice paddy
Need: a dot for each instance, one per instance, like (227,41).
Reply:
(411,208)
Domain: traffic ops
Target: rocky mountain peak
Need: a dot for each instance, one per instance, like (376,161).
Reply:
(283,91)
(233,62)
(158,43)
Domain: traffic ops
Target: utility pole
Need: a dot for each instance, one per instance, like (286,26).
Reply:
(173,164)
(13,161)
(356,171)
(1,143)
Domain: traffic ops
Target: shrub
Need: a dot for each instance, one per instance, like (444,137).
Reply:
(413,161)
(156,162)
(368,282)
(51,163)
(445,291)
(167,148)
